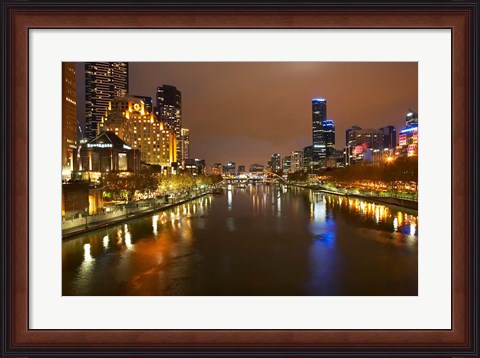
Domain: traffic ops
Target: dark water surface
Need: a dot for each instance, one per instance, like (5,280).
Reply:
(258,240)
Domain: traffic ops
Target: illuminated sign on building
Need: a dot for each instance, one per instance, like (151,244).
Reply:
(402,139)
(99,145)
(358,150)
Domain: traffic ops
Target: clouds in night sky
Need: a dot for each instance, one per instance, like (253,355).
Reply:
(246,111)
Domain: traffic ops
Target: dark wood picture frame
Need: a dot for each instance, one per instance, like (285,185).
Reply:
(18,17)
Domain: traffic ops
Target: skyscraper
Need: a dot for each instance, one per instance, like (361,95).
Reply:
(296,161)
(408,138)
(411,118)
(319,116)
(389,137)
(185,144)
(168,109)
(307,158)
(276,162)
(103,82)
(69,117)
(328,127)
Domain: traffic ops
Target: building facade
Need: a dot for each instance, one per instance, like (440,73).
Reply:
(128,118)
(389,137)
(229,168)
(168,109)
(307,159)
(276,162)
(148,102)
(185,144)
(319,116)
(286,164)
(107,153)
(367,138)
(296,164)
(255,168)
(69,118)
(408,137)
(103,82)
(216,169)
(328,127)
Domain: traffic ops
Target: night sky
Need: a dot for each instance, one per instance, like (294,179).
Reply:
(246,111)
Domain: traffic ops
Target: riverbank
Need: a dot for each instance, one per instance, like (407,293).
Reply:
(71,233)
(385,200)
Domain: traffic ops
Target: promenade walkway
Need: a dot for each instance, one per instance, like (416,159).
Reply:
(129,215)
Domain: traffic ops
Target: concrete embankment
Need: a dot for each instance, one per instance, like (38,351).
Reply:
(73,232)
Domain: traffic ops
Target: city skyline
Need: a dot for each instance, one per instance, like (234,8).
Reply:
(243,109)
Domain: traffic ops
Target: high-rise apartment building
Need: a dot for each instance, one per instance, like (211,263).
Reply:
(69,117)
(286,164)
(296,164)
(103,82)
(168,109)
(185,144)
(276,162)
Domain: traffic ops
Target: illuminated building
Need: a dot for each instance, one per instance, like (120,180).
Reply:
(307,159)
(69,117)
(128,118)
(296,161)
(411,119)
(195,166)
(319,116)
(168,109)
(216,169)
(408,138)
(328,127)
(366,145)
(254,168)
(229,168)
(148,101)
(389,137)
(107,153)
(185,144)
(276,162)
(103,82)
(367,138)
(286,164)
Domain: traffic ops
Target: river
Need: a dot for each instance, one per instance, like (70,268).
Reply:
(256,240)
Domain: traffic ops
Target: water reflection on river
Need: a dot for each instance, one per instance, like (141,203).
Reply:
(258,240)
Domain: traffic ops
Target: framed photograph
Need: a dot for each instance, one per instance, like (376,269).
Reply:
(218,178)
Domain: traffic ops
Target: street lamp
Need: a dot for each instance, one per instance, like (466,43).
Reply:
(86,218)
